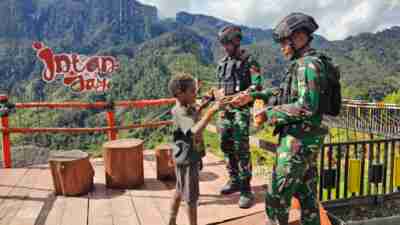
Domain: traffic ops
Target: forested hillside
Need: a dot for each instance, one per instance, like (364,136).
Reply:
(151,49)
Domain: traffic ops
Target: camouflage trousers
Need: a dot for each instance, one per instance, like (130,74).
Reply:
(234,128)
(295,174)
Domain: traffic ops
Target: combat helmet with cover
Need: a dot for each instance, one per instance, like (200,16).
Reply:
(294,22)
(330,100)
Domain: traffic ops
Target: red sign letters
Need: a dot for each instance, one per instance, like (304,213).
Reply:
(80,73)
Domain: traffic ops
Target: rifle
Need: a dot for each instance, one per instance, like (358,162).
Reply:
(212,96)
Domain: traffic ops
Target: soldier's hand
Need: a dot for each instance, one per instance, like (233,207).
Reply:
(242,99)
(219,93)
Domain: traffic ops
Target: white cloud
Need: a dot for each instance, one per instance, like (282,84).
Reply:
(168,8)
(337,18)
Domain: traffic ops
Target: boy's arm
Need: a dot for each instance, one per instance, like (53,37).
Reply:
(200,125)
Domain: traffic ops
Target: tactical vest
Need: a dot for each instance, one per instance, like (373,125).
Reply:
(284,92)
(234,74)
(286,86)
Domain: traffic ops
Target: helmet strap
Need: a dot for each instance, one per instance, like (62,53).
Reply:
(297,53)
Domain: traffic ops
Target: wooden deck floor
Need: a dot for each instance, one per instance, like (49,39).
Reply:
(26,197)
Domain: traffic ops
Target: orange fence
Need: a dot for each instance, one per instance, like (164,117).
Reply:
(111,129)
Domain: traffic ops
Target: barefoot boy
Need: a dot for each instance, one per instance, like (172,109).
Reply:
(189,146)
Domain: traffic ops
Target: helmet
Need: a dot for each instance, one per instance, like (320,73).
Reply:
(294,22)
(228,33)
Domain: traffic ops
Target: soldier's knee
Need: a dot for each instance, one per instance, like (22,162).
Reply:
(311,219)
(227,145)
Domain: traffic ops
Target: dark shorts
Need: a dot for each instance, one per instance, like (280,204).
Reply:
(187,182)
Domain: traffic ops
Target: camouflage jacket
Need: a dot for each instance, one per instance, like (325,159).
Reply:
(298,96)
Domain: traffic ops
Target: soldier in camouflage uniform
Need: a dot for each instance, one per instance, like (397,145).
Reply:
(237,71)
(297,120)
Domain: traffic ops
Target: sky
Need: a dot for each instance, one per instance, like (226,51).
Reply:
(338,19)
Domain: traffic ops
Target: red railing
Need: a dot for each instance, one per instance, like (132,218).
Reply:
(111,129)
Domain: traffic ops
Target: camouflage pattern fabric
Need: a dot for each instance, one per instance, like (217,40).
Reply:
(234,128)
(295,175)
(301,136)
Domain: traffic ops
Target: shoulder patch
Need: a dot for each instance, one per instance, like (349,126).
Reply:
(315,66)
(313,63)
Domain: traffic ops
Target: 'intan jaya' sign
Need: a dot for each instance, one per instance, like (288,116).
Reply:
(80,73)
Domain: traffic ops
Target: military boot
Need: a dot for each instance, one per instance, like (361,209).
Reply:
(272,222)
(246,200)
(230,188)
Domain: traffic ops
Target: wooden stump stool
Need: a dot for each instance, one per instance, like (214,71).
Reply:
(164,162)
(72,172)
(123,161)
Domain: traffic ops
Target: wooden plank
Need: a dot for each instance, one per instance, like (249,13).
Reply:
(385,167)
(122,209)
(56,211)
(119,201)
(152,201)
(151,208)
(215,207)
(165,193)
(75,211)
(338,169)
(54,208)
(226,207)
(363,157)
(33,205)
(370,163)
(392,156)
(330,152)
(321,172)
(17,195)
(8,181)
(61,210)
(346,171)
(100,209)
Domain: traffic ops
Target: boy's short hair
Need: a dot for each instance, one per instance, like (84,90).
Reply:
(181,82)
